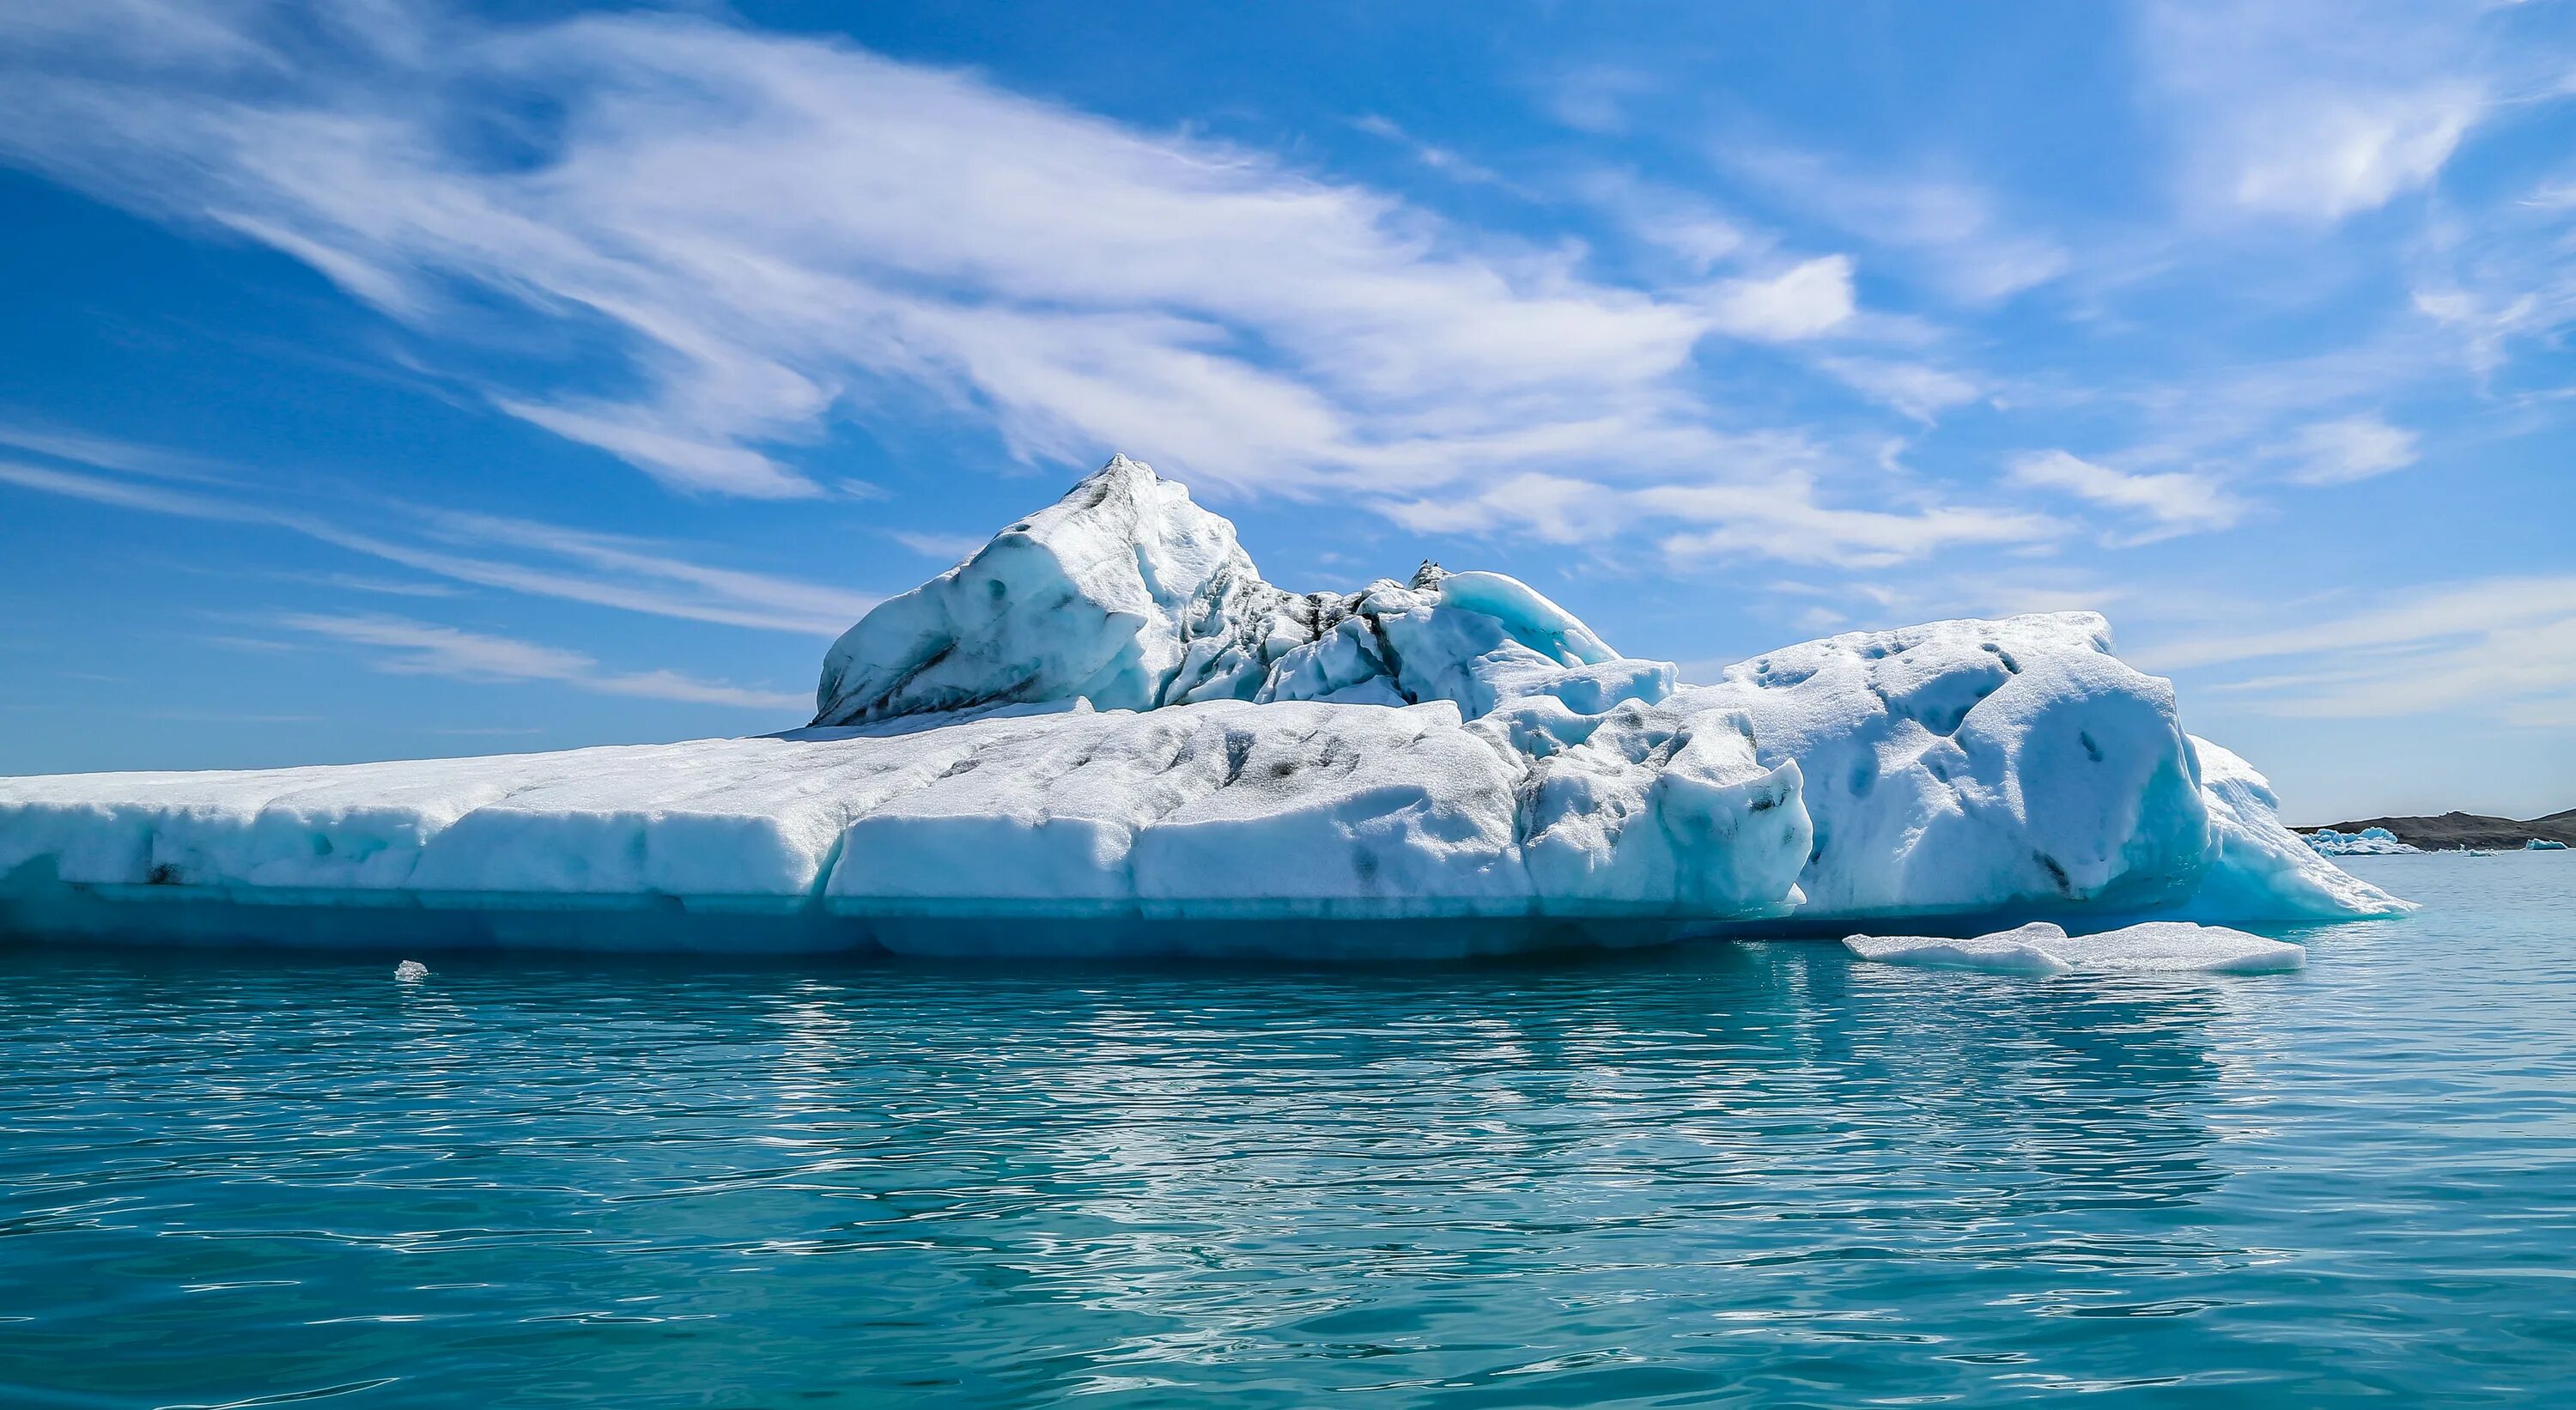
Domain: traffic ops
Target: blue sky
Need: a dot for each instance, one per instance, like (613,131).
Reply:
(397,378)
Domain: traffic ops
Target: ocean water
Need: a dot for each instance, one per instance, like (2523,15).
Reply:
(1729,1174)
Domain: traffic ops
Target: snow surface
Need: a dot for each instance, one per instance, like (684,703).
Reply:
(2369,842)
(1104,733)
(2042,948)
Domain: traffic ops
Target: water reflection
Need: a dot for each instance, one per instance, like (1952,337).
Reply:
(1740,1171)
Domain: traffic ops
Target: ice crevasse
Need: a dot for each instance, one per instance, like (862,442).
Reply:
(1104,732)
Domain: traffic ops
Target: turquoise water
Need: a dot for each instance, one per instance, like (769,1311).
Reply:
(1747,1173)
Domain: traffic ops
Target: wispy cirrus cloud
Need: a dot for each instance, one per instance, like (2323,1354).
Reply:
(947,547)
(2351,448)
(109,453)
(777,230)
(1775,512)
(1806,300)
(775,225)
(2170,501)
(625,574)
(2504,648)
(2320,110)
(1440,159)
(636,577)
(1953,229)
(409,647)
(1920,390)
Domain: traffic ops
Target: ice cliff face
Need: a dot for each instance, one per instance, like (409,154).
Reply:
(1104,732)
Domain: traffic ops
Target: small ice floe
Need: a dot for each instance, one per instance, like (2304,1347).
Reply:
(2043,948)
(2022,951)
(2543,844)
(411,972)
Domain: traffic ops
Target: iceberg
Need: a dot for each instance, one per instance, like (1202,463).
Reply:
(2544,844)
(1105,733)
(2042,948)
(2369,842)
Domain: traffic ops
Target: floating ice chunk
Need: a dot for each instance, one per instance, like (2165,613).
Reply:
(2180,945)
(2369,842)
(2043,948)
(2026,950)
(411,971)
(2543,844)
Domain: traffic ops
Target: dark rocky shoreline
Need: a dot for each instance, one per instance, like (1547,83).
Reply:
(2455,831)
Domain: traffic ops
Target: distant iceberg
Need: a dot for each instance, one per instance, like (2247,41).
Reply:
(1105,733)
(2543,844)
(2041,948)
(2369,842)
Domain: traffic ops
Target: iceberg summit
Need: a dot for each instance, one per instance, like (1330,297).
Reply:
(1105,733)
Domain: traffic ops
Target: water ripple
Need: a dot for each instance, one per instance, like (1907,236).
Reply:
(1744,1174)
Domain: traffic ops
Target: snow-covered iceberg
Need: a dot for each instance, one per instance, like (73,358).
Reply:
(1104,732)
(2042,948)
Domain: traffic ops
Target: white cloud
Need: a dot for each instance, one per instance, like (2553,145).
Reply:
(2354,448)
(685,459)
(1594,98)
(1783,520)
(1916,389)
(629,575)
(355,582)
(110,454)
(2502,647)
(2421,614)
(1439,159)
(1555,508)
(1803,301)
(2530,301)
(1950,228)
(428,649)
(779,228)
(2176,501)
(765,599)
(2334,156)
(949,548)
(779,231)
(1776,516)
(1679,223)
(2316,109)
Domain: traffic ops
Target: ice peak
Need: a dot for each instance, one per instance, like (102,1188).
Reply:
(1121,478)
(1089,599)
(1125,594)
